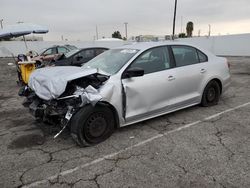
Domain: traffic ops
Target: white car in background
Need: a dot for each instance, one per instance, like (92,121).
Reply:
(126,85)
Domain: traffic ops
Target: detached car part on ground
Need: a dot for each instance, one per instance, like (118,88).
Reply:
(126,85)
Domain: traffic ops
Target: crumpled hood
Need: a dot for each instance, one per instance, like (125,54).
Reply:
(50,82)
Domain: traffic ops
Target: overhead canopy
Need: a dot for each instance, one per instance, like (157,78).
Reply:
(21,30)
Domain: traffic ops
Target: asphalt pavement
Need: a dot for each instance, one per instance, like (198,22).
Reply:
(194,147)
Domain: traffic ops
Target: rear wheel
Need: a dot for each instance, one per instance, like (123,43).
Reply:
(92,125)
(211,94)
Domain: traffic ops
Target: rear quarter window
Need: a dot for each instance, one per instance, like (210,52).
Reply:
(202,56)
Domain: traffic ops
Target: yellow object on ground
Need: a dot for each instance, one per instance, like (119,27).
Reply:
(26,67)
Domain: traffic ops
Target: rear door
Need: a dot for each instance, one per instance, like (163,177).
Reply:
(190,73)
(149,94)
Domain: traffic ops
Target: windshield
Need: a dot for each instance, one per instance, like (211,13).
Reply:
(111,61)
(70,53)
(41,51)
(71,47)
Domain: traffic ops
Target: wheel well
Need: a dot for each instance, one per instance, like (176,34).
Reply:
(112,108)
(219,82)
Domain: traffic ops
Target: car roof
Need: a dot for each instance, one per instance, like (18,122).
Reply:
(96,47)
(147,45)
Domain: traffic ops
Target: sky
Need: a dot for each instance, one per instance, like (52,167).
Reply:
(77,19)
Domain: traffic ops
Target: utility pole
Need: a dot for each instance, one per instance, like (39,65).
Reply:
(181,23)
(209,30)
(126,30)
(175,6)
(96,30)
(1,23)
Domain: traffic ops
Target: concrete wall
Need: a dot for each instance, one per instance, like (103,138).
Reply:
(7,48)
(228,45)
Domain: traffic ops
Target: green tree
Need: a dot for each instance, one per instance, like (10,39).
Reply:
(189,29)
(117,35)
(182,35)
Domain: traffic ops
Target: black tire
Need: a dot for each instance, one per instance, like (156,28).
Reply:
(92,125)
(211,94)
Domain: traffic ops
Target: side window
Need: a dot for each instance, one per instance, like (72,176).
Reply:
(202,56)
(54,51)
(153,60)
(185,55)
(99,51)
(48,52)
(87,54)
(62,50)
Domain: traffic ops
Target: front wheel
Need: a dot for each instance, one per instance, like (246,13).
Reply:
(211,94)
(92,125)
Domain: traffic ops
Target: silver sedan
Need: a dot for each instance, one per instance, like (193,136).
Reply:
(126,85)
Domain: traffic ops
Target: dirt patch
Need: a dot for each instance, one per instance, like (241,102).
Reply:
(27,141)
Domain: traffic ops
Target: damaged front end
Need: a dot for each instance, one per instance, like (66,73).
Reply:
(59,110)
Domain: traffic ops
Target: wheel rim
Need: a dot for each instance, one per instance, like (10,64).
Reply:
(211,94)
(96,126)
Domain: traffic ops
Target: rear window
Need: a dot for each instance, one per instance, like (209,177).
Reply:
(202,56)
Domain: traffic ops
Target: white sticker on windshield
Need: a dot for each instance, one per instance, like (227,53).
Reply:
(128,51)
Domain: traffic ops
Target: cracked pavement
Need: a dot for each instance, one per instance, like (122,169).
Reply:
(213,152)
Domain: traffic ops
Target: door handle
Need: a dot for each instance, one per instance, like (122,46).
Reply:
(203,70)
(170,78)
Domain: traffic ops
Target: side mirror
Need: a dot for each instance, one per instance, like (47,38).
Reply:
(133,72)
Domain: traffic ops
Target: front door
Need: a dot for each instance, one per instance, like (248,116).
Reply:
(150,93)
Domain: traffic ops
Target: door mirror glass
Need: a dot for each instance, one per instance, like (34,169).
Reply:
(133,72)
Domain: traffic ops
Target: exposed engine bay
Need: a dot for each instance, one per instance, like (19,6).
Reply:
(78,92)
